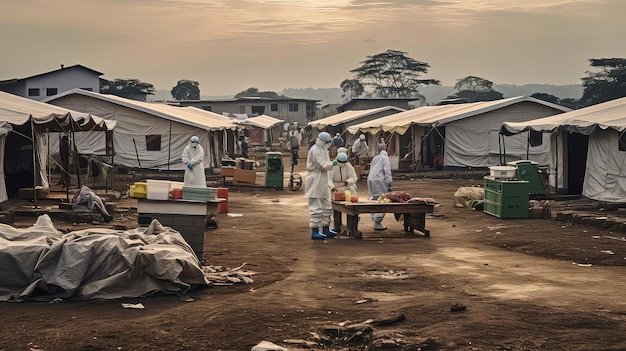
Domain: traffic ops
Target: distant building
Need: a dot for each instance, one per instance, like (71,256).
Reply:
(40,86)
(288,109)
(370,103)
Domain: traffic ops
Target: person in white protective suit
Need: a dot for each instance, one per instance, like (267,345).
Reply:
(343,176)
(318,164)
(379,182)
(192,157)
(360,148)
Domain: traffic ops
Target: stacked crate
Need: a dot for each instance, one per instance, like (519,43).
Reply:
(506,198)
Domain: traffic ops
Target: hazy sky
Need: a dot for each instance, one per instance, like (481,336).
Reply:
(231,45)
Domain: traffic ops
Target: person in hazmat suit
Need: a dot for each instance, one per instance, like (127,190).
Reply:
(318,164)
(343,176)
(360,148)
(193,157)
(379,182)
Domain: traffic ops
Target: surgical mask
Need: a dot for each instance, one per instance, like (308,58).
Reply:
(327,146)
(341,164)
(194,144)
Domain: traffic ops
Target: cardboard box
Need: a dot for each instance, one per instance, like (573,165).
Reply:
(228,171)
(243,176)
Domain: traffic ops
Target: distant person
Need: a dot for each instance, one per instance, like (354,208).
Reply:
(244,147)
(337,141)
(193,157)
(318,164)
(360,148)
(379,182)
(295,147)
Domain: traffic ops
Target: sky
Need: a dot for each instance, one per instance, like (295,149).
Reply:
(228,46)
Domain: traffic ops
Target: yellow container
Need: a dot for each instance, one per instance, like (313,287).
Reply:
(139,190)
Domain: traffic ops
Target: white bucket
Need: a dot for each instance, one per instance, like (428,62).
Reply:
(503,172)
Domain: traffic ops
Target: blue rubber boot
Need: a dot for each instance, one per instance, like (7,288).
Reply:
(329,233)
(316,235)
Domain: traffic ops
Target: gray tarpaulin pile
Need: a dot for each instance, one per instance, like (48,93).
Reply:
(41,263)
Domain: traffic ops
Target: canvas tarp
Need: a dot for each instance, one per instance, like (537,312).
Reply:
(350,116)
(41,263)
(18,111)
(471,129)
(605,174)
(138,122)
(262,129)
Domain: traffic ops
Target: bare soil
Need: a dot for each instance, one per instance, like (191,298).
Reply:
(477,283)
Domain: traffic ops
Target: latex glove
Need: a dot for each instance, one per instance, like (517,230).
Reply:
(334,163)
(334,190)
(190,165)
(389,188)
(344,183)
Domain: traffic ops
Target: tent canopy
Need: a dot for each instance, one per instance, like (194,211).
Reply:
(191,116)
(348,116)
(262,121)
(608,115)
(433,116)
(17,110)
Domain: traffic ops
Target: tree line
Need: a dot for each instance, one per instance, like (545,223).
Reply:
(393,74)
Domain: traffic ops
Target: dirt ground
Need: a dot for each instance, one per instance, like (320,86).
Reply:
(477,283)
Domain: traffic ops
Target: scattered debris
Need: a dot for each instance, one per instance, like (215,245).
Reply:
(386,274)
(267,346)
(218,275)
(234,215)
(458,308)
(608,252)
(614,237)
(136,306)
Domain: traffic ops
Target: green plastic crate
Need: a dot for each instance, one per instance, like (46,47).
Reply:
(506,198)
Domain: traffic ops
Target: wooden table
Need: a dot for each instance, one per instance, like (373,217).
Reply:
(414,215)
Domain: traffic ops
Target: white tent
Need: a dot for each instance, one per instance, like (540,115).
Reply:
(466,135)
(603,125)
(262,129)
(38,117)
(150,135)
(341,122)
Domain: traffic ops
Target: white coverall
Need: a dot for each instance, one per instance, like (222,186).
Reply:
(318,164)
(194,177)
(343,172)
(360,148)
(379,180)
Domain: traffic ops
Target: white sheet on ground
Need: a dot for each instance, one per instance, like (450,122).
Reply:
(40,263)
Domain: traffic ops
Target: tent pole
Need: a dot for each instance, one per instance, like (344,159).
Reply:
(75,153)
(528,146)
(169,150)
(32,135)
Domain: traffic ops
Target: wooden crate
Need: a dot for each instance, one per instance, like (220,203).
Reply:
(244,176)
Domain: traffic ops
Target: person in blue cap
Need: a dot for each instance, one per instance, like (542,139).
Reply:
(318,164)
(193,157)
(343,176)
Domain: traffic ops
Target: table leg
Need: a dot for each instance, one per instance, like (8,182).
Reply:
(353,224)
(337,219)
(417,221)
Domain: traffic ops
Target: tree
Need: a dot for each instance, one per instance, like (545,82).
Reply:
(393,74)
(607,84)
(254,92)
(475,89)
(127,88)
(546,97)
(351,88)
(186,90)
